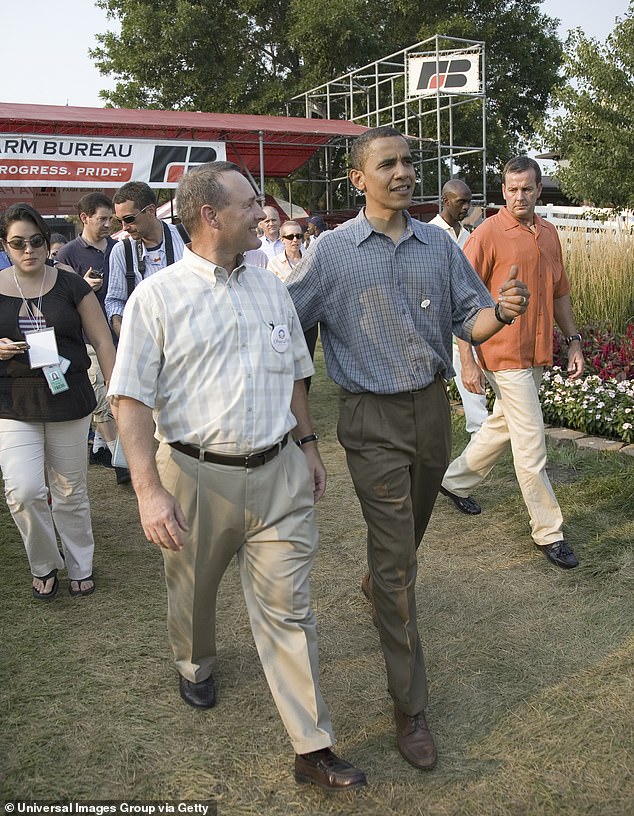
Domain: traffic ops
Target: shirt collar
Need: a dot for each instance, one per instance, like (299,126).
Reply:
(510,222)
(110,242)
(210,271)
(363,229)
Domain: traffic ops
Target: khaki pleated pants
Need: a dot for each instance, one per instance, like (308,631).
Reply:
(265,516)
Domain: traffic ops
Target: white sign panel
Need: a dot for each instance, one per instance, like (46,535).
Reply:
(76,161)
(457,73)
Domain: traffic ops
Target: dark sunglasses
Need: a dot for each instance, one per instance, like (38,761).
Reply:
(130,219)
(292,235)
(35,242)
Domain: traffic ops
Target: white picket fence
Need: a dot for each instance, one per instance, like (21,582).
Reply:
(588,219)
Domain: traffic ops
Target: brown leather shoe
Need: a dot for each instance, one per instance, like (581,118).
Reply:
(366,588)
(198,695)
(325,769)
(414,740)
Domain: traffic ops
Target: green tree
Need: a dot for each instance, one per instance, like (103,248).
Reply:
(593,130)
(252,56)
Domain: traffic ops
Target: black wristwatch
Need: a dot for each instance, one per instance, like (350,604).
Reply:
(499,317)
(305,439)
(572,337)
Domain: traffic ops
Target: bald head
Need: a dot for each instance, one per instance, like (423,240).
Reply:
(456,201)
(455,187)
(270,225)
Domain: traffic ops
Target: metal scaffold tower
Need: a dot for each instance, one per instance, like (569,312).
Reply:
(420,90)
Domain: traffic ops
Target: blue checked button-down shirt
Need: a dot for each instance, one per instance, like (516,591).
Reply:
(197,347)
(387,311)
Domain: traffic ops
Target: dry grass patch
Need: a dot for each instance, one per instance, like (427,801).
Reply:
(530,667)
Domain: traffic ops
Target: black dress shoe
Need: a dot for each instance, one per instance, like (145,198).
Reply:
(464,503)
(123,475)
(100,457)
(560,554)
(198,695)
(325,769)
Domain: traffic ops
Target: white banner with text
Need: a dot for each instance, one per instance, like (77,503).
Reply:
(74,161)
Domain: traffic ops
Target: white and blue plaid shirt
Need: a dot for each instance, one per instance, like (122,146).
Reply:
(197,347)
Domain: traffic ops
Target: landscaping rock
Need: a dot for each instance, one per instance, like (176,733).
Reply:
(628,450)
(563,436)
(595,443)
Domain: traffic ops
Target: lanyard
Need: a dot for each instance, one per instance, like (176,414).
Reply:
(30,314)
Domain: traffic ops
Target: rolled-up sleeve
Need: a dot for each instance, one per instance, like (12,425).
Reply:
(139,353)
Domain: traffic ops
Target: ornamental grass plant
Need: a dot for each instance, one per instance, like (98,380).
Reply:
(600,267)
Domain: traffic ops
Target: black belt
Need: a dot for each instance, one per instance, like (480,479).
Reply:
(250,460)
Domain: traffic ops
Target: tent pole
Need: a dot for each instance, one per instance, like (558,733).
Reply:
(261,142)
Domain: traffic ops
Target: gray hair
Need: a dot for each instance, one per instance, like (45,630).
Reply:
(202,185)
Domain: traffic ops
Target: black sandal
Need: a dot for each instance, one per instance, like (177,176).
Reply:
(46,596)
(75,593)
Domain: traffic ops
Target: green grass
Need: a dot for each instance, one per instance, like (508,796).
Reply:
(531,668)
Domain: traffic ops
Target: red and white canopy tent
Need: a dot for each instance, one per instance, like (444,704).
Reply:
(46,149)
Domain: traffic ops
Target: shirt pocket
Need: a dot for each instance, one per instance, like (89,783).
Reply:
(277,347)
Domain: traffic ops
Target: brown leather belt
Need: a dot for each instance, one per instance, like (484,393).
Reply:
(250,460)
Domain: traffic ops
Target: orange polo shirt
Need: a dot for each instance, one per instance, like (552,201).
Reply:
(493,247)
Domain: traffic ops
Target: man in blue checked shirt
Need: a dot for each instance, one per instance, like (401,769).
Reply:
(388,293)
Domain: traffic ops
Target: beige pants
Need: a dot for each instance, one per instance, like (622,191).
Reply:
(30,454)
(516,420)
(102,412)
(265,516)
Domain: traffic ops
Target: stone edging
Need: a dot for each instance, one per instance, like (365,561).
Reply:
(566,436)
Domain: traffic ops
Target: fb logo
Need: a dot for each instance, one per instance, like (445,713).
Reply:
(171,162)
(428,75)
(451,74)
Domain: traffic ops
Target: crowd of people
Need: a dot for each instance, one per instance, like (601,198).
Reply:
(213,362)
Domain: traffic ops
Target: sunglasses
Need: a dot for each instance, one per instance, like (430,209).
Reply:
(35,242)
(293,235)
(130,219)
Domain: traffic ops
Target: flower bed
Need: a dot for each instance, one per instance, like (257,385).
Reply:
(596,406)
(608,354)
(600,404)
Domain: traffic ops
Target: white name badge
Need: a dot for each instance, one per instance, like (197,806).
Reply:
(118,456)
(55,379)
(280,337)
(42,348)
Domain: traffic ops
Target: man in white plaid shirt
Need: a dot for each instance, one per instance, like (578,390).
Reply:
(212,351)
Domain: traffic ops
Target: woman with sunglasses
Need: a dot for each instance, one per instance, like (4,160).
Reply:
(46,402)
(283,264)
(293,237)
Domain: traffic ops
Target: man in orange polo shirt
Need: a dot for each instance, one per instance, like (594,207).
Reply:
(513,362)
